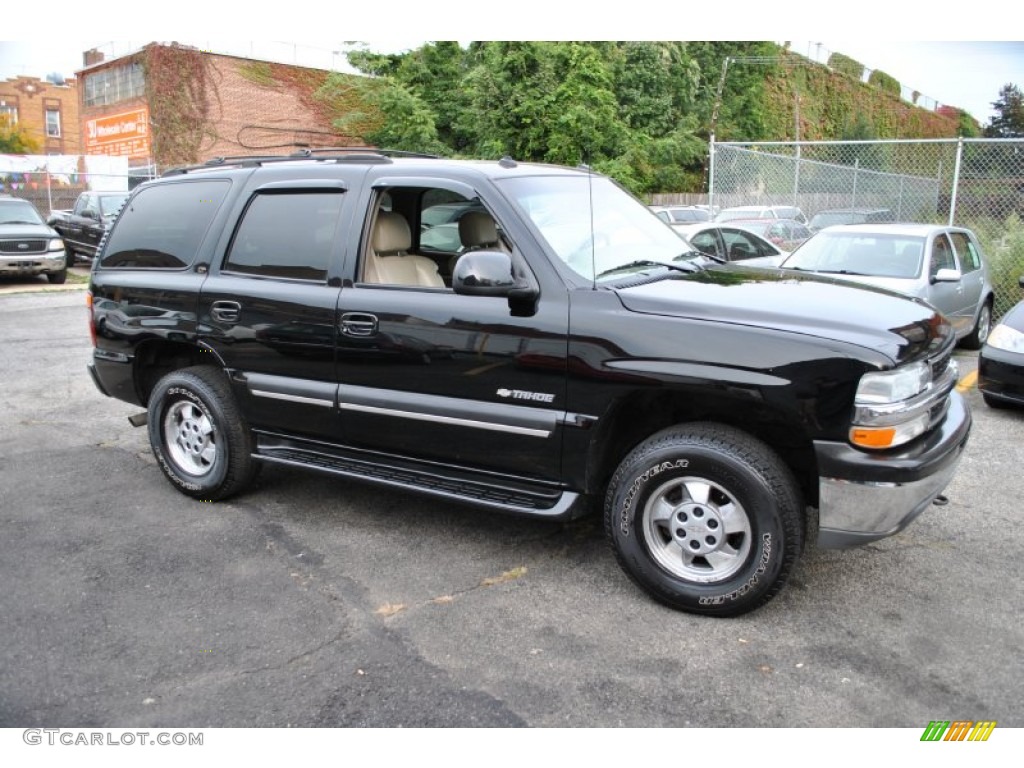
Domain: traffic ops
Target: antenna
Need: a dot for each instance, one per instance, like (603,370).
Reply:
(593,249)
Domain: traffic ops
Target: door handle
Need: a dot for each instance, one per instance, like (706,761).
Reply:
(358,324)
(226,311)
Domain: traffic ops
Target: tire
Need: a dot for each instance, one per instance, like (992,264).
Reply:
(706,480)
(199,437)
(979,335)
(58,278)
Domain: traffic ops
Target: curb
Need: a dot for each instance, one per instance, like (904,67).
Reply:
(11,286)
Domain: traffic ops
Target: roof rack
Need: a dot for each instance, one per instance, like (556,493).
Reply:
(321,154)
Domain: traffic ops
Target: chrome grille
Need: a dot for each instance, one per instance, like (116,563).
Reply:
(18,247)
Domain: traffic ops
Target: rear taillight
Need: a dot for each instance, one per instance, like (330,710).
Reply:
(92,317)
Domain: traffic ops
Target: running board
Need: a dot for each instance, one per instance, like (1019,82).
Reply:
(498,493)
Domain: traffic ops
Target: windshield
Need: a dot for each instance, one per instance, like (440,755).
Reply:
(593,225)
(19,212)
(111,204)
(857,253)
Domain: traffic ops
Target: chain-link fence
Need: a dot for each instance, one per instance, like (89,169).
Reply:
(973,183)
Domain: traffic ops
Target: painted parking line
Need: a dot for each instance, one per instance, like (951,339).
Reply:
(967,381)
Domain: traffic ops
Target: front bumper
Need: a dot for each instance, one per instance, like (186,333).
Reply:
(1001,375)
(33,263)
(868,496)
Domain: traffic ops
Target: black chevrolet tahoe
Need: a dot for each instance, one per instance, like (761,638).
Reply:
(540,344)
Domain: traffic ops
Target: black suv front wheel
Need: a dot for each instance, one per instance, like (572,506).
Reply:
(198,435)
(705,518)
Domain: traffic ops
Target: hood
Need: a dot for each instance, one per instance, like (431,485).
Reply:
(902,328)
(26,231)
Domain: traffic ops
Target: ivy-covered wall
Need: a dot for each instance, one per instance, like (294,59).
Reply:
(834,105)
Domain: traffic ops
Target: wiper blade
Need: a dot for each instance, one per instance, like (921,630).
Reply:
(685,267)
(706,255)
(841,272)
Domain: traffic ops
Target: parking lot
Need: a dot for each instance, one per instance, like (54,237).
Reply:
(316,601)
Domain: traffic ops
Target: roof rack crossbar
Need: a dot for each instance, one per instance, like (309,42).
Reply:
(337,154)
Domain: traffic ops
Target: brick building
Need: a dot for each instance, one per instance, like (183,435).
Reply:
(46,111)
(170,105)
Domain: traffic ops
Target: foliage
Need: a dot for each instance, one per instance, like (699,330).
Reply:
(1002,242)
(1009,120)
(258,72)
(639,111)
(382,112)
(884,82)
(845,65)
(178,90)
(14,140)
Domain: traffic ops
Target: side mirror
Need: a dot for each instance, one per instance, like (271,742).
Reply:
(946,276)
(491,273)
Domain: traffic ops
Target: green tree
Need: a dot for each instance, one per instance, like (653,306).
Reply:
(14,140)
(1009,120)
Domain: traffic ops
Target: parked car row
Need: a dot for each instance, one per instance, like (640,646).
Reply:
(941,265)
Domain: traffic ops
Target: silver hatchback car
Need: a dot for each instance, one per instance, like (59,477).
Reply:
(942,265)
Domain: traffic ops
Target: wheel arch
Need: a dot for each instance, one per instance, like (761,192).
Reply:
(156,358)
(634,418)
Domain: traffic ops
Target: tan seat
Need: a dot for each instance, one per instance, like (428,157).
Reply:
(477,231)
(388,260)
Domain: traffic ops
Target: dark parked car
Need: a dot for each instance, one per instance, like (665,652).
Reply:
(577,358)
(84,226)
(1001,361)
(942,265)
(831,218)
(27,245)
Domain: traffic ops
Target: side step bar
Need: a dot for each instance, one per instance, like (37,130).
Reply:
(498,493)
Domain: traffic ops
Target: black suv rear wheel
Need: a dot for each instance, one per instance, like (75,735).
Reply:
(198,435)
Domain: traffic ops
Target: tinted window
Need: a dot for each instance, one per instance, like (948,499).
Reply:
(740,246)
(286,235)
(164,225)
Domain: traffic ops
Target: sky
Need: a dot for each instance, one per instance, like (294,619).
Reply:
(945,62)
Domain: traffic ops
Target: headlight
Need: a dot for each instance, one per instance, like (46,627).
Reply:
(893,386)
(888,409)
(56,244)
(1006,338)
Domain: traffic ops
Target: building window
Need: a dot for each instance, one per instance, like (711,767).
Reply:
(53,123)
(9,114)
(113,85)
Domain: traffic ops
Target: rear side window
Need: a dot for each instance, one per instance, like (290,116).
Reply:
(969,258)
(286,235)
(163,226)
